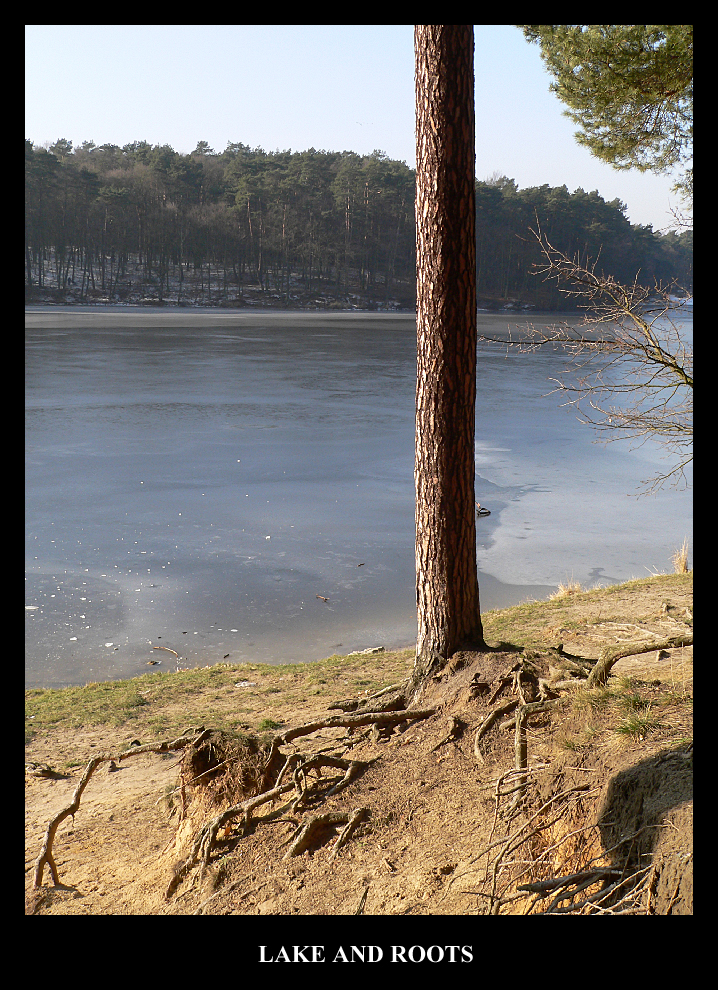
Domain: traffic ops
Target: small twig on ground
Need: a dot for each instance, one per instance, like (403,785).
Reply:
(362,902)
(168,650)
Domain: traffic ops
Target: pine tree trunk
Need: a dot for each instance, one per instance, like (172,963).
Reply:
(447,584)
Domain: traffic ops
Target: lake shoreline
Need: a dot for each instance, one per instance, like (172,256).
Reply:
(632,597)
(266,308)
(240,485)
(388,630)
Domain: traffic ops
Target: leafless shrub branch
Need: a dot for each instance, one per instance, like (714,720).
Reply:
(630,374)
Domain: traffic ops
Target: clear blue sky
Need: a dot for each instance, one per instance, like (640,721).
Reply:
(332,87)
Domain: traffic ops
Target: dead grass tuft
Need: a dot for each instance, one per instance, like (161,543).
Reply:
(569,588)
(680,559)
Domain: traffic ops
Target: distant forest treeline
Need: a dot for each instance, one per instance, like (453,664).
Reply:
(295,228)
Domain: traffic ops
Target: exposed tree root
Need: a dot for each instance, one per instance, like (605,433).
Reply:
(279,775)
(611,654)
(456,731)
(488,722)
(609,882)
(307,832)
(570,671)
(207,836)
(379,718)
(520,751)
(299,767)
(393,698)
(618,893)
(45,857)
(519,865)
(496,887)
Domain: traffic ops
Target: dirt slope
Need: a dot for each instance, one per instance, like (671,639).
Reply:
(609,785)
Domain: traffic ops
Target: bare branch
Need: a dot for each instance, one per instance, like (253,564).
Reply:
(627,347)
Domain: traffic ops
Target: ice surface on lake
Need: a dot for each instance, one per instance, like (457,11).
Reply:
(210,483)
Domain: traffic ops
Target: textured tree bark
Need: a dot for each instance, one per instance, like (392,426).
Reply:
(447,586)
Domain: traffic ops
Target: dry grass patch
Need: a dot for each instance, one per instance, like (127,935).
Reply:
(680,559)
(569,588)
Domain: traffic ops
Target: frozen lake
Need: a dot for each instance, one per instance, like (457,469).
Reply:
(196,479)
